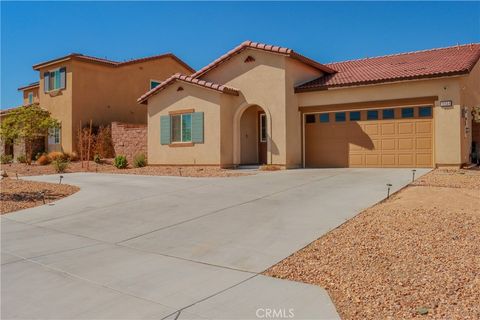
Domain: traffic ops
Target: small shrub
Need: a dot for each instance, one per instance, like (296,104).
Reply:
(60,165)
(6,159)
(55,155)
(72,156)
(43,160)
(97,159)
(120,162)
(139,161)
(22,159)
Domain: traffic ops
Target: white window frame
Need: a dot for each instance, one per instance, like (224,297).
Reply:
(261,126)
(181,127)
(30,97)
(153,80)
(54,136)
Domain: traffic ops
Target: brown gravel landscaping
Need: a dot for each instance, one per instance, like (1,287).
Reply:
(416,255)
(34,169)
(20,194)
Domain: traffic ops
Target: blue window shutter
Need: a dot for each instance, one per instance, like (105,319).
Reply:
(46,81)
(197,127)
(165,130)
(63,77)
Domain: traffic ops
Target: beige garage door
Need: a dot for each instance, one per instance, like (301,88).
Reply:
(394,137)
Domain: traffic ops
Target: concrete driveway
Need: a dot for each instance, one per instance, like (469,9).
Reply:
(129,247)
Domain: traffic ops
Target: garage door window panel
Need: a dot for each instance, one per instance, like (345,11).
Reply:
(372,115)
(324,117)
(340,117)
(355,116)
(425,112)
(310,118)
(388,114)
(408,113)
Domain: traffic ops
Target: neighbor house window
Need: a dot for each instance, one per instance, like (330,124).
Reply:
(310,118)
(55,79)
(153,84)
(54,136)
(388,114)
(407,113)
(263,127)
(372,115)
(425,111)
(354,115)
(324,117)
(30,97)
(182,127)
(340,117)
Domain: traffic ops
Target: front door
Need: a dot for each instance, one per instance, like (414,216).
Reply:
(262,138)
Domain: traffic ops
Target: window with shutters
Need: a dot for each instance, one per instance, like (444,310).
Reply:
(55,79)
(181,127)
(30,97)
(54,136)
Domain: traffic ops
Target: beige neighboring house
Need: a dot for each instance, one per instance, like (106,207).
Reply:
(76,88)
(267,104)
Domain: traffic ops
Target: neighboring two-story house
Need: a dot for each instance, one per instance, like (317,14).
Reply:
(77,88)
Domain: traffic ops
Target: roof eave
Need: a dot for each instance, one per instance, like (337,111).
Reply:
(30,86)
(373,82)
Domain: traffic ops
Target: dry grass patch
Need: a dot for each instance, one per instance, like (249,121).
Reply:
(417,253)
(20,194)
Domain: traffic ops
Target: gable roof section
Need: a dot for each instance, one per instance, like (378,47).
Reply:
(111,63)
(432,63)
(265,47)
(188,79)
(29,86)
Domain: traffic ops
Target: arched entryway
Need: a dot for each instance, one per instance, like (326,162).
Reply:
(253,135)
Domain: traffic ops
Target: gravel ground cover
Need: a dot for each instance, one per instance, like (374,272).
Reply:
(20,194)
(416,255)
(34,170)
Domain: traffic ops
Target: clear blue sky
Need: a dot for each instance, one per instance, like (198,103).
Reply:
(32,32)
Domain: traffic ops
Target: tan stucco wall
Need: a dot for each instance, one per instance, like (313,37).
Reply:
(192,97)
(103,93)
(447,127)
(268,82)
(470,98)
(25,95)
(59,105)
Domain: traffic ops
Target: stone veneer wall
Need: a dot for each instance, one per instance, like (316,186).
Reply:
(129,139)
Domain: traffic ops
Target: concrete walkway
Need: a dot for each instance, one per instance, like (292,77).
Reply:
(130,247)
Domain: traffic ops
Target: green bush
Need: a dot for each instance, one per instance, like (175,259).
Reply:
(120,162)
(60,165)
(139,161)
(6,158)
(22,159)
(97,159)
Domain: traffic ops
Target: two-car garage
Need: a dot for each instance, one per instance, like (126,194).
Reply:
(362,136)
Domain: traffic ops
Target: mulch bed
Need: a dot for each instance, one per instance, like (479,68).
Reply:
(416,255)
(20,194)
(194,171)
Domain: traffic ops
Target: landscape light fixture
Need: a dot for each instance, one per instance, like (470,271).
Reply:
(413,174)
(60,182)
(388,190)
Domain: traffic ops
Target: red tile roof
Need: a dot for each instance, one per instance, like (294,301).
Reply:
(265,47)
(188,79)
(111,62)
(29,86)
(432,63)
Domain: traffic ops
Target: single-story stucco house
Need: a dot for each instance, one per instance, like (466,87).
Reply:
(264,104)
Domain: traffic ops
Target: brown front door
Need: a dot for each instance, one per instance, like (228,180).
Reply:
(262,138)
